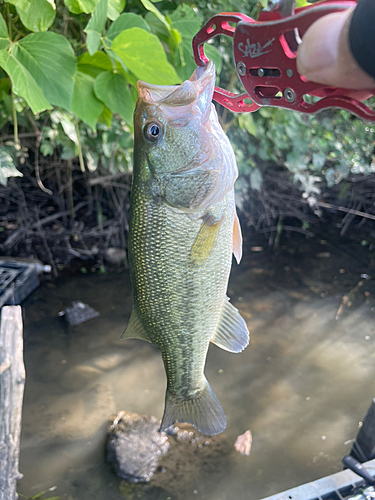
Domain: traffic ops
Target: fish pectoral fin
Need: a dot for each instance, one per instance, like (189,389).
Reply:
(203,411)
(135,329)
(232,334)
(237,239)
(205,241)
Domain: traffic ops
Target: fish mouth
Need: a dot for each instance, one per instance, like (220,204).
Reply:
(179,95)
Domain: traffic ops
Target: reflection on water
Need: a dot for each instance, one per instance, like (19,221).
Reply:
(301,387)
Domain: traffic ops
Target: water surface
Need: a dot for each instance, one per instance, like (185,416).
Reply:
(301,387)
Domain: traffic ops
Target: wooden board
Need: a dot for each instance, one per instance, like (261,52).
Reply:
(12,382)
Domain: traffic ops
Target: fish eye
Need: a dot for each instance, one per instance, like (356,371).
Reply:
(152,131)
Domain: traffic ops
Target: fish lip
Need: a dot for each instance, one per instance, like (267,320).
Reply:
(158,94)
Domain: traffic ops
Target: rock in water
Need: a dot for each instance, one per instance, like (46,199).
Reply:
(135,446)
(78,313)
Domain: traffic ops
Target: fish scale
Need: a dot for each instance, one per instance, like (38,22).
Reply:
(174,300)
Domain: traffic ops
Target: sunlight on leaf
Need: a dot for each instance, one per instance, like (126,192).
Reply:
(79,6)
(124,22)
(115,7)
(4,36)
(36,15)
(49,58)
(143,55)
(23,83)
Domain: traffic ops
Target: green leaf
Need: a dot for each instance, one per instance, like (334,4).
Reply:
(115,7)
(125,22)
(46,148)
(157,27)
(66,120)
(186,21)
(151,7)
(213,53)
(184,61)
(246,121)
(36,15)
(4,35)
(4,87)
(49,58)
(143,55)
(106,117)
(24,85)
(79,6)
(330,176)
(92,159)
(319,160)
(7,167)
(93,65)
(95,27)
(188,65)
(85,105)
(112,89)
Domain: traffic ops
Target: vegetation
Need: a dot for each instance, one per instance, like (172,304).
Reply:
(68,73)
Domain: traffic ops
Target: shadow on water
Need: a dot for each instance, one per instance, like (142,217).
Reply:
(301,387)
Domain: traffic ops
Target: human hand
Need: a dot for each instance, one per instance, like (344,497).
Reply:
(325,57)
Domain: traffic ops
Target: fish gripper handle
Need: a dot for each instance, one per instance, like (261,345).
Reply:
(265,54)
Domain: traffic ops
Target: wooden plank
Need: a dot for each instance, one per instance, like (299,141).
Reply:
(363,448)
(12,382)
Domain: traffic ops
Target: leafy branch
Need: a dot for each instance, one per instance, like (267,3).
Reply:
(89,83)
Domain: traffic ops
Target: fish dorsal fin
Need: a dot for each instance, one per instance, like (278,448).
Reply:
(205,241)
(237,239)
(135,329)
(231,334)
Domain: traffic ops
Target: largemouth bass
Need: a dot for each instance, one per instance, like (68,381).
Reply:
(183,229)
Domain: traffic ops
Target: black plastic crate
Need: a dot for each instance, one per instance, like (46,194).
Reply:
(17,281)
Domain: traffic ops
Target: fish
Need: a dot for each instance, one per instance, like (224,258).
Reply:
(182,232)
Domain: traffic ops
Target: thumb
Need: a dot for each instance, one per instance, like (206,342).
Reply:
(324,55)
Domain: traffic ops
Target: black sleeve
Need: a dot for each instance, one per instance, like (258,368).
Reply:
(362,35)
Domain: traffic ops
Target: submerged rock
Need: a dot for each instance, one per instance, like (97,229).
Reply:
(135,446)
(139,452)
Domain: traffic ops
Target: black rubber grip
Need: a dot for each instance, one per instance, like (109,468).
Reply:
(358,468)
(362,35)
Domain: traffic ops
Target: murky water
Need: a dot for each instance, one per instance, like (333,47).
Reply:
(301,387)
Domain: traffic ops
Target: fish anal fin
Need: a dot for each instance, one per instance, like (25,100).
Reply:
(237,239)
(231,334)
(135,329)
(203,411)
(205,241)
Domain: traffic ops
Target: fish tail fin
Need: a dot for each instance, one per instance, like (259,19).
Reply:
(203,411)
